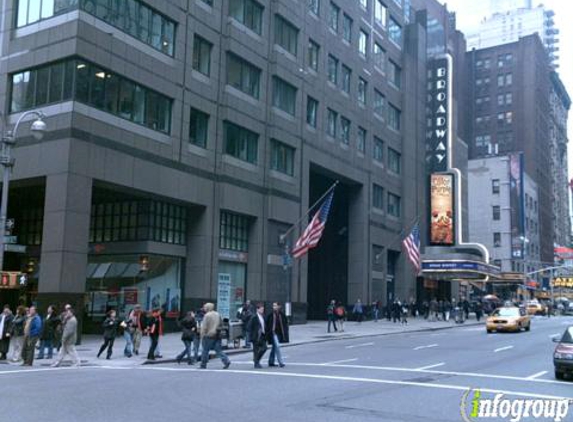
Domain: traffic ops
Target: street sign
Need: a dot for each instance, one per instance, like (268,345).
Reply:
(15,248)
(10,239)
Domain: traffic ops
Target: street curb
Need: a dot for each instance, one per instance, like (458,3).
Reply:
(232,352)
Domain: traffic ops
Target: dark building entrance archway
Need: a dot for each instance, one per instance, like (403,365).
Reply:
(328,262)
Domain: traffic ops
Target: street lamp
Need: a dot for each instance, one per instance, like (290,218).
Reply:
(37,129)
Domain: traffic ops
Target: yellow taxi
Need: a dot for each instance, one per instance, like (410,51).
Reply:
(534,307)
(508,318)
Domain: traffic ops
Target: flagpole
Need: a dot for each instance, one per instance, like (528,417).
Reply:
(285,234)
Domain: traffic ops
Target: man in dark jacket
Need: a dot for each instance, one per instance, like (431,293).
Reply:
(276,329)
(258,336)
(51,322)
(5,326)
(32,332)
(245,314)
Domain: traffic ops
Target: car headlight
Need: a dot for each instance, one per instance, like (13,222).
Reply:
(566,356)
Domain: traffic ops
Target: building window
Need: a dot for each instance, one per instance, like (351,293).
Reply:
(314,6)
(243,75)
(361,140)
(332,69)
(345,130)
(333,17)
(508,79)
(500,80)
(394,115)
(332,121)
(378,103)
(284,95)
(313,52)
(347,28)
(394,205)
(346,79)
(362,90)
(394,161)
(395,32)
(247,12)
(380,13)
(286,34)
(508,99)
(77,79)
(282,157)
(495,186)
(363,43)
(394,74)
(378,197)
(378,153)
(379,57)
(234,232)
(122,221)
(129,16)
(202,55)
(241,143)
(30,226)
(364,4)
(496,212)
(198,128)
(311,111)
(500,99)
(208,2)
(497,240)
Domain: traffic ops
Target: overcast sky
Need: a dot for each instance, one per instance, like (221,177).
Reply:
(470,12)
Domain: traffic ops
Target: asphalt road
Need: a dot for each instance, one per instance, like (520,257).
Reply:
(407,377)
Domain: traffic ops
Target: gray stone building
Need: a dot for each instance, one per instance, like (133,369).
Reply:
(185,136)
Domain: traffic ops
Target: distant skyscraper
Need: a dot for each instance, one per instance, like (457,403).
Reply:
(511,20)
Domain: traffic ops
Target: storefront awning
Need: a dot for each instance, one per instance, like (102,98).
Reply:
(458,269)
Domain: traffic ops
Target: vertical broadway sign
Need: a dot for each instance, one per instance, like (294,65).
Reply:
(438,126)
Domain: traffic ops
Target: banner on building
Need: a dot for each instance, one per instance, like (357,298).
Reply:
(517,204)
(442,209)
(224,295)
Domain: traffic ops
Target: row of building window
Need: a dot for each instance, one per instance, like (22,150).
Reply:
(79,80)
(502,61)
(138,221)
(393,202)
(130,16)
(502,80)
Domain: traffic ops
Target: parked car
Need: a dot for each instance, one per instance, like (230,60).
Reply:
(508,318)
(563,354)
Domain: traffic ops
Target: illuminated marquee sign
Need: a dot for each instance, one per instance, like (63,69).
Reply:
(438,117)
(442,209)
(563,282)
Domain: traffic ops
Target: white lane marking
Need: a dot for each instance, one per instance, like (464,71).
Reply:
(501,349)
(365,380)
(539,374)
(429,371)
(430,366)
(339,361)
(429,346)
(359,345)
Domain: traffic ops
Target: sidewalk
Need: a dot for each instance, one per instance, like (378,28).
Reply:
(311,332)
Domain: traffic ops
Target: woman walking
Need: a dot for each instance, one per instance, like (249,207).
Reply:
(17,334)
(188,333)
(109,333)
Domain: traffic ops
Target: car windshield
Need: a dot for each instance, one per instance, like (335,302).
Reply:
(567,336)
(506,312)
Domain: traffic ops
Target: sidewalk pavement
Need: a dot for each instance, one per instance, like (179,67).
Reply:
(311,332)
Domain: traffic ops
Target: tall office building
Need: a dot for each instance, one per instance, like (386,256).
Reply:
(519,105)
(512,20)
(185,137)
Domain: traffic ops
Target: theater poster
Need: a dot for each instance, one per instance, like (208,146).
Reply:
(442,209)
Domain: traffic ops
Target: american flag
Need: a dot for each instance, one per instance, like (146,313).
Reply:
(313,232)
(412,245)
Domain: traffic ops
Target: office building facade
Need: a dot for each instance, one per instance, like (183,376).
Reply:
(186,137)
